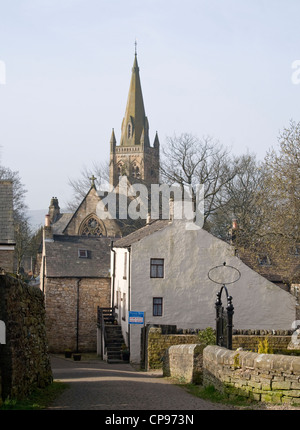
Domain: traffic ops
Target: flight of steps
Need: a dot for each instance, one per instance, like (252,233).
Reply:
(114,342)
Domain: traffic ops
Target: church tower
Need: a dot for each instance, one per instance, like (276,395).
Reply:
(134,157)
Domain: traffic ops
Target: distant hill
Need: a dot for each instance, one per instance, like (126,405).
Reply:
(37,218)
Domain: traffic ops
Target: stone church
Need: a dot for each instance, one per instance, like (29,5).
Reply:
(75,257)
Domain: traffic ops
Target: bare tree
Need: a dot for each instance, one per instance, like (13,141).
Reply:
(21,220)
(81,185)
(282,188)
(189,161)
(243,202)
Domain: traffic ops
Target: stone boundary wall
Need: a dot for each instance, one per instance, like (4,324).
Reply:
(24,359)
(262,377)
(158,343)
(184,362)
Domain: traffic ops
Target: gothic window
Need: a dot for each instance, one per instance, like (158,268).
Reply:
(129,131)
(135,171)
(121,169)
(91,228)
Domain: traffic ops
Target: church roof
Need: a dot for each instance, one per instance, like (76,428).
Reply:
(77,256)
(6,213)
(135,116)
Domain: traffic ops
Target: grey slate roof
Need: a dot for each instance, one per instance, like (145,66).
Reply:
(141,233)
(6,213)
(62,258)
(59,225)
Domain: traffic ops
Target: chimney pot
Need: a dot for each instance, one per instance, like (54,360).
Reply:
(47,220)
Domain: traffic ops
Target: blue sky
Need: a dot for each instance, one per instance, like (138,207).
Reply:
(208,67)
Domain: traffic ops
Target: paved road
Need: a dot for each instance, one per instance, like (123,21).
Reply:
(96,385)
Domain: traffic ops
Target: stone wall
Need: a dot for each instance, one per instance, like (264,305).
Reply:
(262,377)
(24,359)
(276,342)
(158,343)
(71,312)
(184,362)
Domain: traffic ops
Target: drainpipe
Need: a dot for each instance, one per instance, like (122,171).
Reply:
(113,275)
(129,292)
(77,316)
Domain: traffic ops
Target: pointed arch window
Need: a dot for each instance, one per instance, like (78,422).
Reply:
(129,131)
(92,227)
(136,171)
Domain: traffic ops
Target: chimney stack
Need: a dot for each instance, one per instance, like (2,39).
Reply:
(54,210)
(48,234)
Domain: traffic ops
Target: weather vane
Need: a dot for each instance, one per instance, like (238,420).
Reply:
(135,47)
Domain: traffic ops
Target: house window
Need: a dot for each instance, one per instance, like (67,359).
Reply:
(156,268)
(83,253)
(157,306)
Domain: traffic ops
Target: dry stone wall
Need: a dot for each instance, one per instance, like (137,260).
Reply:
(158,343)
(262,377)
(184,362)
(24,358)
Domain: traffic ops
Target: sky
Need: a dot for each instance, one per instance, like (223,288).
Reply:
(219,68)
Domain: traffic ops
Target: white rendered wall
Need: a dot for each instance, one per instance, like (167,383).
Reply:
(188,294)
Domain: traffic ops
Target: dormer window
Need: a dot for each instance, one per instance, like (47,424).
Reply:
(83,253)
(264,260)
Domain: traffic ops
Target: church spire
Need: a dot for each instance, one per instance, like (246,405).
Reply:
(135,123)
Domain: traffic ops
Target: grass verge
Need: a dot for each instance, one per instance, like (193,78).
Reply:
(210,394)
(41,398)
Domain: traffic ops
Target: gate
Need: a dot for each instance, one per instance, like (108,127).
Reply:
(224,317)
(224,320)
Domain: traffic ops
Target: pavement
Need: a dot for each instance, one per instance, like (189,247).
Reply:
(96,385)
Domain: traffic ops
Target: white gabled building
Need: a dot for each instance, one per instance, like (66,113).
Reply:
(162,270)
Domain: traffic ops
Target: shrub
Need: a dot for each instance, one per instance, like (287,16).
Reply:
(264,347)
(207,336)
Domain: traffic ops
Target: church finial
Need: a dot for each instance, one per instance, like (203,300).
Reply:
(135,47)
(92,179)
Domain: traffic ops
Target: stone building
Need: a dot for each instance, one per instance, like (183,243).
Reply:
(75,258)
(7,237)
(134,157)
(162,270)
